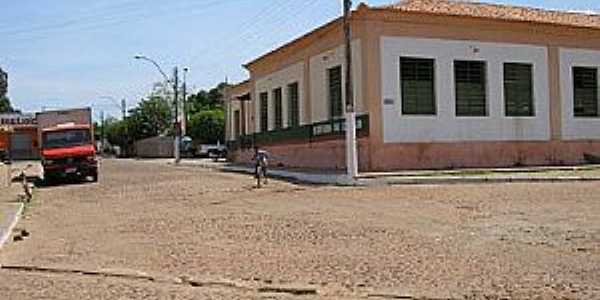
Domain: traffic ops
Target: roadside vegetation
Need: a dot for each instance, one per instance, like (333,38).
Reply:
(153,116)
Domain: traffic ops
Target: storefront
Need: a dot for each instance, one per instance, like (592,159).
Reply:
(18,136)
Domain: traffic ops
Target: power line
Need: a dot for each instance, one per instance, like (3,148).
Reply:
(103,20)
(216,69)
(250,39)
(247,26)
(255,39)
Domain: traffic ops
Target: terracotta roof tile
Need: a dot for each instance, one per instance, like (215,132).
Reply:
(494,11)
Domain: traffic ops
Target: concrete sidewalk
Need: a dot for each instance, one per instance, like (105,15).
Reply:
(10,207)
(10,211)
(303,176)
(492,175)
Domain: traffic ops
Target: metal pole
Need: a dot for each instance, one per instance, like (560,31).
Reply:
(184,105)
(102,130)
(351,151)
(177,125)
(124,151)
(124,108)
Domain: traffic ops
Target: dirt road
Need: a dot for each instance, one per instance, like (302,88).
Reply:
(150,231)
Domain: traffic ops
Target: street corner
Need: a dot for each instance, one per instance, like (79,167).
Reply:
(10,214)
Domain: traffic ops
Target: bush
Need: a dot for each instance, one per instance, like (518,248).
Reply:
(207,127)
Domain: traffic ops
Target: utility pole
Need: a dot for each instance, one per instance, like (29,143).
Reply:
(177,125)
(125,147)
(175,81)
(124,108)
(184,106)
(351,151)
(102,130)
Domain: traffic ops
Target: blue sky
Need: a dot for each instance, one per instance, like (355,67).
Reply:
(65,53)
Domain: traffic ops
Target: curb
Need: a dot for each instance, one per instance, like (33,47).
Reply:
(478,180)
(341,180)
(278,174)
(17,216)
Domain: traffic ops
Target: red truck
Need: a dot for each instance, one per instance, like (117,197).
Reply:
(67,144)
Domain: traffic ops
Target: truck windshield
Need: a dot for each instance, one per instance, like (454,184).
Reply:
(67,138)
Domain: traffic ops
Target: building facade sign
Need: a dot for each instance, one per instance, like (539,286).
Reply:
(17,120)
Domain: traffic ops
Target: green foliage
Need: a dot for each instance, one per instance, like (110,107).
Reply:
(117,133)
(150,118)
(206,100)
(208,126)
(207,116)
(5,106)
(153,117)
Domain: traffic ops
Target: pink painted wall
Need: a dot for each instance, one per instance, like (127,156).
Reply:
(330,155)
(322,155)
(480,154)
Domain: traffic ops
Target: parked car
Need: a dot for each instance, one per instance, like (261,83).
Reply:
(187,147)
(218,152)
(211,151)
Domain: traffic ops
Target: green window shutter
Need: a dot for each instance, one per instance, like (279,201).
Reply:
(417,77)
(585,81)
(277,99)
(264,112)
(293,105)
(470,80)
(335,92)
(518,90)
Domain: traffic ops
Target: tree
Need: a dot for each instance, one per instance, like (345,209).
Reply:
(208,126)
(152,117)
(117,133)
(206,100)
(207,116)
(3,83)
(5,106)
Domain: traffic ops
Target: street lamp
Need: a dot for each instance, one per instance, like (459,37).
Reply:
(122,106)
(142,57)
(175,82)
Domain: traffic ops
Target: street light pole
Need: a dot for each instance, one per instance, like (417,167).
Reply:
(122,105)
(124,108)
(176,126)
(102,131)
(155,64)
(184,103)
(351,151)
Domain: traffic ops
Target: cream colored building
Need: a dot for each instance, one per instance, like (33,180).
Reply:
(438,84)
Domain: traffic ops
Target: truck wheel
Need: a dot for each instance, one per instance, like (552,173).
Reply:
(95,176)
(48,178)
(47,181)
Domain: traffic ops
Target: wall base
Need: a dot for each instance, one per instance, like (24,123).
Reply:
(322,155)
(416,156)
(330,155)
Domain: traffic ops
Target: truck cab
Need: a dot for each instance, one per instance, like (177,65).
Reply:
(68,150)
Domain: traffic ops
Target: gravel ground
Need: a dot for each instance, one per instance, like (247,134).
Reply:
(505,241)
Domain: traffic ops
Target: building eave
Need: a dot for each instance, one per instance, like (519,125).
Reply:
(296,42)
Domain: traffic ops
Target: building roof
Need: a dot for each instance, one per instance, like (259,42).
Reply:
(495,11)
(238,91)
(465,9)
